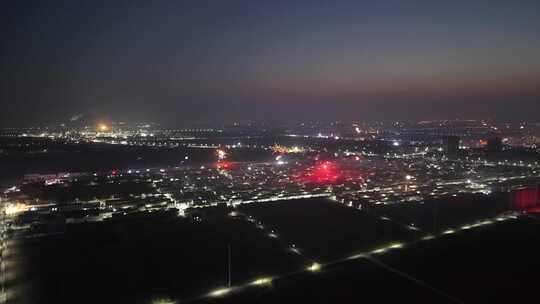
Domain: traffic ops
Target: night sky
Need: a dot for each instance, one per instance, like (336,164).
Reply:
(180,62)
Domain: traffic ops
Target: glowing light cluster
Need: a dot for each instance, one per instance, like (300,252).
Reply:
(224,165)
(221,154)
(286,150)
(315,267)
(13,209)
(103,127)
(323,172)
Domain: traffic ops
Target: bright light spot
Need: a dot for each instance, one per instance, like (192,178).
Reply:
(221,154)
(408,177)
(103,127)
(428,237)
(449,231)
(295,250)
(378,251)
(314,267)
(357,256)
(220,292)
(395,143)
(262,281)
(12,209)
(396,245)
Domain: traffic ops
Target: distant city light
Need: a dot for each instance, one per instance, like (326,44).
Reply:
(262,281)
(13,209)
(396,245)
(221,154)
(283,149)
(315,267)
(449,231)
(379,251)
(220,292)
(356,256)
(428,237)
(103,127)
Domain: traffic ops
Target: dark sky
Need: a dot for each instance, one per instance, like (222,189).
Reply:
(190,61)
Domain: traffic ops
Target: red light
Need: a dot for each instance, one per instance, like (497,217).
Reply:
(323,173)
(329,172)
(525,199)
(224,165)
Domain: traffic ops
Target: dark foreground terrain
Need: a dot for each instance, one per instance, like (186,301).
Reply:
(143,257)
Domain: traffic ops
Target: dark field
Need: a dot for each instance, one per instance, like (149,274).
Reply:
(85,190)
(436,215)
(357,281)
(493,264)
(136,260)
(325,230)
(141,257)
